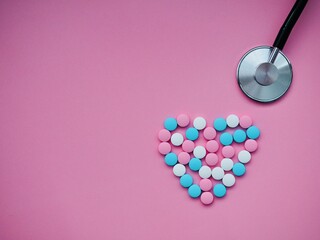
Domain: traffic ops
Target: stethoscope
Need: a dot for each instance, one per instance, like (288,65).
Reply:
(264,73)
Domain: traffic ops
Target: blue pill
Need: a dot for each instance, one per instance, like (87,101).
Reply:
(194,191)
(219,190)
(171,159)
(170,124)
(226,139)
(239,136)
(220,124)
(253,132)
(192,134)
(238,169)
(195,164)
(186,180)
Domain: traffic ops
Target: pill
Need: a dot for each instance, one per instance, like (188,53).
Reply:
(228,180)
(211,159)
(244,156)
(239,136)
(205,184)
(238,169)
(212,146)
(251,145)
(205,172)
(164,148)
(186,180)
(188,146)
(217,173)
(226,139)
(245,121)
(209,133)
(199,123)
(232,120)
(220,124)
(219,190)
(199,152)
(253,132)
(195,164)
(176,139)
(171,159)
(226,164)
(179,170)
(170,124)
(164,135)
(192,134)
(228,151)
(183,158)
(206,198)
(194,191)
(183,120)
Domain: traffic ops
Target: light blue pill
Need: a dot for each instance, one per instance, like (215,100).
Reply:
(171,159)
(219,190)
(186,180)
(194,191)
(195,164)
(226,139)
(220,124)
(253,132)
(170,124)
(238,169)
(192,134)
(239,136)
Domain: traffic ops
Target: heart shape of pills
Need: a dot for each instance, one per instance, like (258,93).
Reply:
(216,153)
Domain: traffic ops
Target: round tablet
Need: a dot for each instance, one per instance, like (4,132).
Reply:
(205,172)
(205,184)
(253,132)
(228,180)
(244,156)
(217,173)
(206,198)
(164,135)
(212,159)
(239,136)
(170,124)
(176,139)
(199,123)
(179,170)
(188,146)
(209,133)
(195,164)
(194,191)
(171,159)
(164,148)
(226,138)
(251,145)
(228,151)
(238,169)
(186,180)
(192,134)
(232,120)
(220,124)
(212,146)
(183,158)
(219,190)
(183,120)
(245,121)
(227,164)
(199,152)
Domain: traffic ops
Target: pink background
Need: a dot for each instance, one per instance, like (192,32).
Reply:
(84,88)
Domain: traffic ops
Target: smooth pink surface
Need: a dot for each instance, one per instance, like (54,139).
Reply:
(251,145)
(212,146)
(164,135)
(206,198)
(209,133)
(85,87)
(205,184)
(228,151)
(183,157)
(183,120)
(212,159)
(188,146)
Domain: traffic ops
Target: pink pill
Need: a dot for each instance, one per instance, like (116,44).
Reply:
(245,121)
(206,198)
(212,146)
(183,120)
(251,145)
(183,158)
(188,146)
(212,159)
(205,184)
(209,133)
(228,151)
(164,135)
(164,148)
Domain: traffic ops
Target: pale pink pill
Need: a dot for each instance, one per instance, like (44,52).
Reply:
(212,146)
(209,133)
(206,198)
(164,135)
(205,184)
(251,145)
(228,151)
(183,120)
(183,158)
(245,121)
(188,146)
(212,159)
(164,148)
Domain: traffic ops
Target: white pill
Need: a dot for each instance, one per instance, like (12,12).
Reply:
(244,156)
(176,139)
(199,152)
(179,170)
(217,173)
(233,120)
(228,180)
(199,123)
(205,172)
(227,164)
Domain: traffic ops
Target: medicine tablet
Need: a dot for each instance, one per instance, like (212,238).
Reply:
(244,156)
(183,158)
(226,139)
(245,121)
(206,198)
(171,159)
(220,124)
(164,135)
(192,134)
(232,120)
(251,145)
(195,164)
(194,191)
(205,172)
(212,159)
(217,173)
(205,184)
(199,123)
(239,136)
(212,146)
(228,180)
(219,190)
(186,180)
(188,146)
(170,124)
(228,151)
(199,152)
(239,169)
(226,164)
(253,132)
(183,120)
(176,139)
(164,148)
(209,133)
(179,170)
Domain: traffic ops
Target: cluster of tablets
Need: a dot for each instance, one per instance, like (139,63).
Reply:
(182,151)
